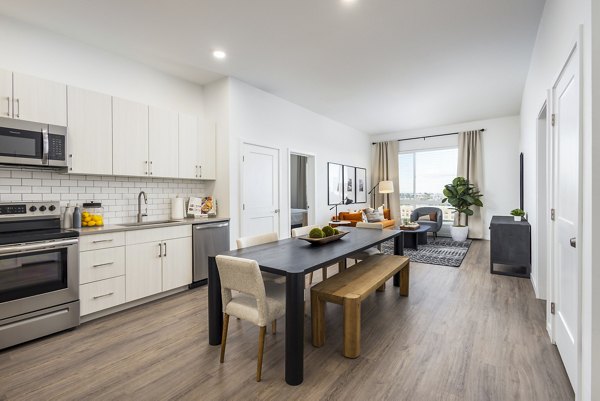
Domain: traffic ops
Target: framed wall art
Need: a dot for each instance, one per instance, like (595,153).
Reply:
(334,183)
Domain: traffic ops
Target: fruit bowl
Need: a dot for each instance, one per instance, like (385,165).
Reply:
(324,240)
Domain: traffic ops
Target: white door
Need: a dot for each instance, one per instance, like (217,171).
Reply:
(130,138)
(90,132)
(566,102)
(163,143)
(188,146)
(39,100)
(177,263)
(6,94)
(143,270)
(208,153)
(260,190)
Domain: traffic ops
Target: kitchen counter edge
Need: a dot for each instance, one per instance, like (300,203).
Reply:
(111,228)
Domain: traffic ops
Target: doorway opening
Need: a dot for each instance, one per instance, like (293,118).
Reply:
(301,189)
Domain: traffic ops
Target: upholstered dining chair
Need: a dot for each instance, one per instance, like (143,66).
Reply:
(246,242)
(362,255)
(257,301)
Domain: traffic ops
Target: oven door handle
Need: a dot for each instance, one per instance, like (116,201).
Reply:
(35,246)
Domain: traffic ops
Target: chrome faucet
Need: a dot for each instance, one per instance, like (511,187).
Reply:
(141,215)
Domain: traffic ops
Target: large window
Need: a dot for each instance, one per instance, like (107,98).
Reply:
(423,175)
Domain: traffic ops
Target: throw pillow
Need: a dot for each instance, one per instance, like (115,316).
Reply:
(433,216)
(380,209)
(425,217)
(364,217)
(374,217)
(354,216)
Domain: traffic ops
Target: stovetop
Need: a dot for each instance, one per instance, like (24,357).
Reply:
(22,222)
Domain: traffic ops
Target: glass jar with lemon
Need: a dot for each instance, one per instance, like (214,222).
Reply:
(92,215)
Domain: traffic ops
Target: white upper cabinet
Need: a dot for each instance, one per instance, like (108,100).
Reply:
(163,143)
(188,146)
(39,100)
(130,138)
(207,158)
(90,132)
(6,98)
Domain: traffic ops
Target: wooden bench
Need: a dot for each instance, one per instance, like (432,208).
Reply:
(349,288)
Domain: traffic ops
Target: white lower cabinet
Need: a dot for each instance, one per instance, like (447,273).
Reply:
(144,262)
(143,270)
(103,294)
(176,268)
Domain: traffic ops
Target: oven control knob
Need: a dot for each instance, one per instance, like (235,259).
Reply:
(42,208)
(32,209)
(52,208)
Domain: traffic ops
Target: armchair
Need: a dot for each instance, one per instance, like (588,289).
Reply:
(435,225)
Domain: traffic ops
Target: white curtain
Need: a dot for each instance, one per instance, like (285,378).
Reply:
(385,168)
(470,167)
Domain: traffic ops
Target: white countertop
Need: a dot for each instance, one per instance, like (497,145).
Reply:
(115,227)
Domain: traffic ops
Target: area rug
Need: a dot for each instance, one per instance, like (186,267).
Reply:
(441,251)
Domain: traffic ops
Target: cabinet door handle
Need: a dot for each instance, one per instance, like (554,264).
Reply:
(103,295)
(8,106)
(146,172)
(200,171)
(573,242)
(150,167)
(165,254)
(196,171)
(18,112)
(160,251)
(104,264)
(70,162)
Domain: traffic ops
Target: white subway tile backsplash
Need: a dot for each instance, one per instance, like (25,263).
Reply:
(117,194)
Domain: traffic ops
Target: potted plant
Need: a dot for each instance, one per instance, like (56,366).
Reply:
(461,195)
(518,214)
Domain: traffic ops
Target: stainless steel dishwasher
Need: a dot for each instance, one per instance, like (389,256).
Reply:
(209,239)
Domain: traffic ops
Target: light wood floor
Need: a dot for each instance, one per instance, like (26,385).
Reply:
(462,334)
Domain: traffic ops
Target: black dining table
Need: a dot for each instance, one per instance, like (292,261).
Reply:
(294,258)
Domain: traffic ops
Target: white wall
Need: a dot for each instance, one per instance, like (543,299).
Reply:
(261,118)
(35,51)
(500,148)
(557,33)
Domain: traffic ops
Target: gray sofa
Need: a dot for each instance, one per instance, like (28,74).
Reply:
(435,226)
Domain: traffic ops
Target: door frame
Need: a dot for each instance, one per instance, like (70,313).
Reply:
(311,170)
(543,179)
(242,143)
(552,282)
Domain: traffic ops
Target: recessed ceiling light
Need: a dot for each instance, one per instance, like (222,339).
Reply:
(348,1)
(219,54)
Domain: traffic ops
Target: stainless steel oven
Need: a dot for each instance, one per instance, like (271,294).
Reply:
(25,143)
(39,273)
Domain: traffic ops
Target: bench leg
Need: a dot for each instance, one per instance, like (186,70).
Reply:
(352,326)
(404,280)
(317,307)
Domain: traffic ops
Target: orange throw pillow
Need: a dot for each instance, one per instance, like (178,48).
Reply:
(433,216)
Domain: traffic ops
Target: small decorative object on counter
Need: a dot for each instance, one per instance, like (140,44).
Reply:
(518,214)
(201,207)
(92,214)
(76,217)
(68,216)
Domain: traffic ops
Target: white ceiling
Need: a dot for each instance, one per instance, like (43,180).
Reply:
(376,65)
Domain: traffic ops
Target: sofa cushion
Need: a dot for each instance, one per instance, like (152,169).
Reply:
(373,216)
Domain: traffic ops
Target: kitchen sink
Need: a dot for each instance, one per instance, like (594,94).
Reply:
(148,223)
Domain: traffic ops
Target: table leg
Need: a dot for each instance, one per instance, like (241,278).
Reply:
(294,328)
(410,241)
(215,304)
(422,238)
(398,250)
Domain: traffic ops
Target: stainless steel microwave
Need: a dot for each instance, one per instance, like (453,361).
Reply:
(26,143)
